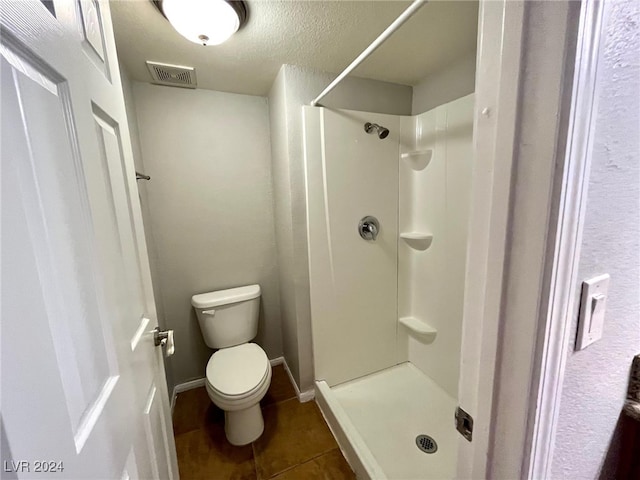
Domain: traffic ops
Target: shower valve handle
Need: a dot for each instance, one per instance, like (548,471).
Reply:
(372,228)
(368,228)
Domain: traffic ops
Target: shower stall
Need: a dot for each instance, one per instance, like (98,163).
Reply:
(388,201)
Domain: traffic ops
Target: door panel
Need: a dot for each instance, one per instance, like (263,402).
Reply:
(78,359)
(58,214)
(92,27)
(130,469)
(156,431)
(121,253)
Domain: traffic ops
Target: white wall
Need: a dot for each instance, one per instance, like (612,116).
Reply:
(293,88)
(454,81)
(211,208)
(587,441)
(435,199)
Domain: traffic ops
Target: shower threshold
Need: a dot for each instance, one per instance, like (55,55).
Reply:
(377,418)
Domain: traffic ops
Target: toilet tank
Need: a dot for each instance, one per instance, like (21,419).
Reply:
(228,317)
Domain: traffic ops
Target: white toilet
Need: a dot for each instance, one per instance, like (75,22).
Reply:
(239,373)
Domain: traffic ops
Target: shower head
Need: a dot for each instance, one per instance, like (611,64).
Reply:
(380,130)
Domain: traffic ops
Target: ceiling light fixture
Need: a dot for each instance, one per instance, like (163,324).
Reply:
(207,22)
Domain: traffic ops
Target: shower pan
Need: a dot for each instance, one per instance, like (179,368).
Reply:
(387,299)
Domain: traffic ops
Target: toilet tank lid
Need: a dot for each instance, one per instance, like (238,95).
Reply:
(225,297)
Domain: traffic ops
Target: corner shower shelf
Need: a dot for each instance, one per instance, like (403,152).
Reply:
(419,328)
(419,159)
(417,240)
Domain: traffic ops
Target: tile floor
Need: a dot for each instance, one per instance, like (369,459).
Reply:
(296,443)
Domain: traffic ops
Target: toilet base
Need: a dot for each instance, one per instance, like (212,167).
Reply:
(243,426)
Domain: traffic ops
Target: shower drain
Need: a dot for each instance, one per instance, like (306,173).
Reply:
(426,444)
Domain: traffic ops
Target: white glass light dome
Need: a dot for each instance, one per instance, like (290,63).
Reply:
(207,22)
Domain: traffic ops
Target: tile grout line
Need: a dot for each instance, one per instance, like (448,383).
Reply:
(298,464)
(281,401)
(253,448)
(255,462)
(305,462)
(278,403)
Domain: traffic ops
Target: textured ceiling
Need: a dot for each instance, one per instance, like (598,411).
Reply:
(326,35)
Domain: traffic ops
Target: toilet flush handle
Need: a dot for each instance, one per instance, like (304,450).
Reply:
(209,312)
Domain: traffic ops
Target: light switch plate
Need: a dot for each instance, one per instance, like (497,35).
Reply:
(592,308)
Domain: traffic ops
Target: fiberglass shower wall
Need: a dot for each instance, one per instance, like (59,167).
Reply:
(434,204)
(416,182)
(351,174)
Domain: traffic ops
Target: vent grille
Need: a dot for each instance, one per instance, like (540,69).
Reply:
(172,75)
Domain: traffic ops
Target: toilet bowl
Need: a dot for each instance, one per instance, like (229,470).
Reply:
(237,379)
(238,375)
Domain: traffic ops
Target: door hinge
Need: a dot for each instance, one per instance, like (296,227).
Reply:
(464,423)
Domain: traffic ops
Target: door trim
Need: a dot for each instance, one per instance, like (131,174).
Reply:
(529,191)
(555,321)
(498,67)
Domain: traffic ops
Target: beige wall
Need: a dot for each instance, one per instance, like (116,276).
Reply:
(214,213)
(210,208)
(293,88)
(455,81)
(283,223)
(132,118)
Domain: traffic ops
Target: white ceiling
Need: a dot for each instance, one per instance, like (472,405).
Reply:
(326,35)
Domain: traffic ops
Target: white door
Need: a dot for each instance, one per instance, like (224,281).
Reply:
(83,389)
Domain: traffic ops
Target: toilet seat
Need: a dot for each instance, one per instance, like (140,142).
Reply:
(236,373)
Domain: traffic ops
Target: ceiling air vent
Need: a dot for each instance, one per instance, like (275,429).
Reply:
(172,75)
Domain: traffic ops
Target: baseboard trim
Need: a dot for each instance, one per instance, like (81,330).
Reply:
(307,395)
(183,387)
(276,361)
(190,385)
(303,397)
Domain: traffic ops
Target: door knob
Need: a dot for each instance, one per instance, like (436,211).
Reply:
(164,338)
